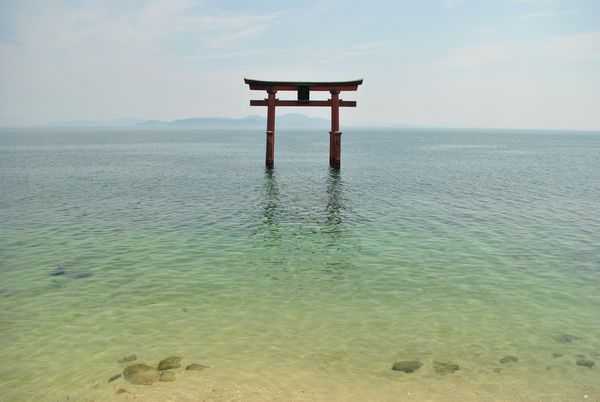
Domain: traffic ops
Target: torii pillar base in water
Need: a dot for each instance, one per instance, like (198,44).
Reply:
(303,89)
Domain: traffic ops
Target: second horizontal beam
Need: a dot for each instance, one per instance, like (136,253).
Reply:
(322,103)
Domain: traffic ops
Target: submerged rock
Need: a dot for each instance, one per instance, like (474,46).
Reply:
(126,359)
(585,363)
(509,359)
(140,374)
(114,377)
(445,368)
(58,271)
(569,338)
(167,376)
(170,362)
(557,355)
(122,391)
(407,366)
(196,367)
(80,275)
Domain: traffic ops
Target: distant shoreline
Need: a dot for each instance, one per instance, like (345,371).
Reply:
(305,127)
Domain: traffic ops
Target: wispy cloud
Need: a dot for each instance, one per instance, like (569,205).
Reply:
(453,3)
(358,51)
(222,31)
(565,48)
(545,14)
(159,27)
(535,1)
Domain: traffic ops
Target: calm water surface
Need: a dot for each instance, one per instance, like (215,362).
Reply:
(300,283)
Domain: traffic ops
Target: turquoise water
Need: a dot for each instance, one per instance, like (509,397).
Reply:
(301,283)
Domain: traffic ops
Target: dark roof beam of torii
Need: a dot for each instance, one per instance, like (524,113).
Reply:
(296,85)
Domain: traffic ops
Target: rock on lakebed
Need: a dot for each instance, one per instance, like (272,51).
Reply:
(407,366)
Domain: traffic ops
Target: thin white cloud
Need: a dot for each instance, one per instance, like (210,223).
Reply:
(453,3)
(152,30)
(222,31)
(324,54)
(564,48)
(328,55)
(535,1)
(545,14)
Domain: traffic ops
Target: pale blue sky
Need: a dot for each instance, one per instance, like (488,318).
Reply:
(458,63)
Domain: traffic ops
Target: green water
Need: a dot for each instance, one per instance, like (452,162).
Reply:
(300,283)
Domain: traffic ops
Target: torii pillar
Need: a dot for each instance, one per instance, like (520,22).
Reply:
(303,89)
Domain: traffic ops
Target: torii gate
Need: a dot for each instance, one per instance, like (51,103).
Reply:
(303,89)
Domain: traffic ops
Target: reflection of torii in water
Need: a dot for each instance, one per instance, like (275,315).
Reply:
(334,207)
(335,203)
(335,253)
(268,229)
(271,195)
(303,89)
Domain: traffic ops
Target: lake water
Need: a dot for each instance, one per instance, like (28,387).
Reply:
(301,283)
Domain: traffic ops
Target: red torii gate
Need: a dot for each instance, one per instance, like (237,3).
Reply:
(303,89)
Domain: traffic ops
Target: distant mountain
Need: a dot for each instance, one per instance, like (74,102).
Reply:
(299,119)
(286,120)
(124,122)
(205,121)
(152,123)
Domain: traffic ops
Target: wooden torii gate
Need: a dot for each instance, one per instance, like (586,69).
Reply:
(303,89)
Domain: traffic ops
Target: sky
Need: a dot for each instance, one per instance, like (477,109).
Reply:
(440,63)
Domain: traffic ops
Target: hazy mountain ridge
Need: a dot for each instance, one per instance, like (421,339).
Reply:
(291,119)
(124,122)
(287,120)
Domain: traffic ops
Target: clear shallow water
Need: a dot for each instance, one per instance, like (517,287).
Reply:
(301,283)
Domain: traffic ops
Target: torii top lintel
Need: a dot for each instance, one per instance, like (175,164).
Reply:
(296,85)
